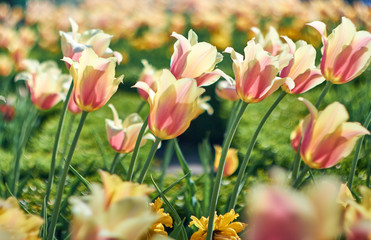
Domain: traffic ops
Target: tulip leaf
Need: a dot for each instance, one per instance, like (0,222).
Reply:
(172,210)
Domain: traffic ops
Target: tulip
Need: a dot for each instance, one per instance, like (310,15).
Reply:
(149,76)
(301,68)
(256,74)
(197,60)
(45,83)
(227,90)
(231,163)
(271,42)
(93,79)
(122,135)
(357,217)
(281,213)
(326,136)
(73,43)
(173,106)
(346,53)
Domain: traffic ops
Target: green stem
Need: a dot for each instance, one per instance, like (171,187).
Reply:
(136,151)
(356,154)
(117,158)
(62,180)
(149,160)
(235,107)
(301,176)
(142,104)
(55,148)
(245,161)
(323,93)
(191,186)
(219,174)
(68,133)
(167,158)
(297,160)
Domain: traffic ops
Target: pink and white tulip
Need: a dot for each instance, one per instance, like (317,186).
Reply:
(197,60)
(173,106)
(256,73)
(45,83)
(301,68)
(327,137)
(271,42)
(73,43)
(94,80)
(346,53)
(122,135)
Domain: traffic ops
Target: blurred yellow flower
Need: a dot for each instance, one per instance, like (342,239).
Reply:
(224,228)
(15,224)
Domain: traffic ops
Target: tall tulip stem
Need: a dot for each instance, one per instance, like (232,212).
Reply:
(62,180)
(136,151)
(219,174)
(356,153)
(56,146)
(149,160)
(245,161)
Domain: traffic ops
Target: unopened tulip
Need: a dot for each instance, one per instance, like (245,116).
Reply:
(256,73)
(45,83)
(301,68)
(346,52)
(122,135)
(73,43)
(231,162)
(197,60)
(94,80)
(327,137)
(226,90)
(173,106)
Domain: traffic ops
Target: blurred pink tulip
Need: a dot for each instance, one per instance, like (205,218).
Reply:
(197,60)
(226,90)
(94,80)
(173,106)
(301,68)
(256,73)
(326,136)
(346,52)
(122,135)
(277,212)
(45,83)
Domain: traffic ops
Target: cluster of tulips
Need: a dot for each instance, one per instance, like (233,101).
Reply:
(118,209)
(149,28)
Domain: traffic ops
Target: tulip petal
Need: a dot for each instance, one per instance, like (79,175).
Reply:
(179,58)
(338,145)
